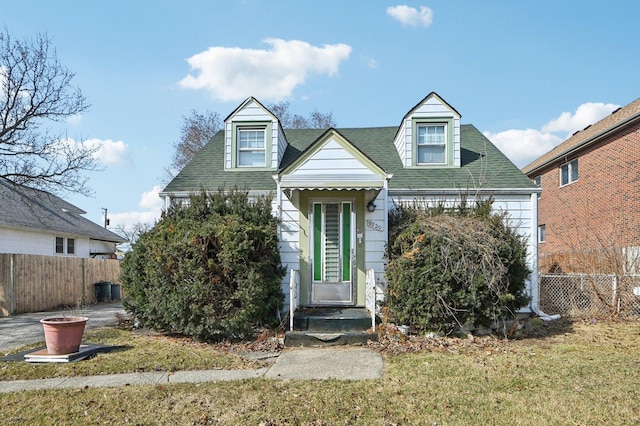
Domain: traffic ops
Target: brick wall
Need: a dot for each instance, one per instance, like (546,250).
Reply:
(588,221)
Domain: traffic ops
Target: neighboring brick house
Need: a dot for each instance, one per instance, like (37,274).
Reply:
(589,208)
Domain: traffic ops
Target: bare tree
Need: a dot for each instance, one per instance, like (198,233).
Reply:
(197,129)
(36,91)
(134,232)
(316,120)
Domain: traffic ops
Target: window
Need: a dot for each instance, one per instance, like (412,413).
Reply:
(59,245)
(251,147)
(431,144)
(569,172)
(537,180)
(542,233)
(71,246)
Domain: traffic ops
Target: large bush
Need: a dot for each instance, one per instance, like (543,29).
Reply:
(209,269)
(450,268)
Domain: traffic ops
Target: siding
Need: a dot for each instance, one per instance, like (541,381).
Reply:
(21,241)
(333,159)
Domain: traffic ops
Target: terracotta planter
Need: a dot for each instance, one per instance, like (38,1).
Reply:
(63,335)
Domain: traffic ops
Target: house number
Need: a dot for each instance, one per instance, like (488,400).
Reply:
(371,224)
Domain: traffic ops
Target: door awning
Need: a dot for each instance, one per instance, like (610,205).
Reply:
(331,182)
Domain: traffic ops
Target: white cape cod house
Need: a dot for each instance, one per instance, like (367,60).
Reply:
(333,190)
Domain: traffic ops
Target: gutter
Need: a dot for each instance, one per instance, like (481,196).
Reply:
(543,316)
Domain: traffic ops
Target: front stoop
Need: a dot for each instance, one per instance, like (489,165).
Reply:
(330,327)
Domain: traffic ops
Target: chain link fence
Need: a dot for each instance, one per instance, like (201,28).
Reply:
(589,295)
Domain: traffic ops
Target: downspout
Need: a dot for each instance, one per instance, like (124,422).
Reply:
(535,281)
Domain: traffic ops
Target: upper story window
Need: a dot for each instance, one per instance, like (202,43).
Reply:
(569,172)
(431,141)
(538,181)
(251,147)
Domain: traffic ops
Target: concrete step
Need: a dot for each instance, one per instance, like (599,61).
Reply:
(306,338)
(332,320)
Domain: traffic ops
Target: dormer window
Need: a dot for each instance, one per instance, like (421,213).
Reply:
(251,147)
(431,141)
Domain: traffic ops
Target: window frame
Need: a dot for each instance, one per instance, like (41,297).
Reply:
(71,246)
(237,128)
(538,182)
(58,245)
(542,233)
(572,171)
(447,123)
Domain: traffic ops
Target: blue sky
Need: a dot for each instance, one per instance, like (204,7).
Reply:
(527,74)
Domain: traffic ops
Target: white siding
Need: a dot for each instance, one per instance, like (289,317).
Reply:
(282,145)
(401,141)
(289,239)
(376,236)
(337,159)
(21,241)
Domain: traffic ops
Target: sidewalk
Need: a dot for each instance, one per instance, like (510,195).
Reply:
(342,363)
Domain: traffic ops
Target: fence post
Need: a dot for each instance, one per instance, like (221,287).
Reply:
(614,293)
(12,281)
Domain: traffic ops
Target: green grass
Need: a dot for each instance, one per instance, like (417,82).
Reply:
(568,374)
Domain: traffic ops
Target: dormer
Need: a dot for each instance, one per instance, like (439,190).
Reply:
(253,138)
(429,135)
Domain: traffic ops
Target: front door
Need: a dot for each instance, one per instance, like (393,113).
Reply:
(333,252)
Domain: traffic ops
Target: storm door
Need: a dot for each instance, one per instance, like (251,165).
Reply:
(333,253)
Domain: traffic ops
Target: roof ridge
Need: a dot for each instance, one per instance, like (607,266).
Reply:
(618,117)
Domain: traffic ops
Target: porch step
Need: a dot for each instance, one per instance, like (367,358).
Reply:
(305,338)
(332,320)
(330,327)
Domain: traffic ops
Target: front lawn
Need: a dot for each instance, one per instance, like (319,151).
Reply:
(579,373)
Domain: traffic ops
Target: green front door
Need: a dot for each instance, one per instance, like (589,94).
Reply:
(333,253)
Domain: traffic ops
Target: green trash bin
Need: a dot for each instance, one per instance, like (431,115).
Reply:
(103,291)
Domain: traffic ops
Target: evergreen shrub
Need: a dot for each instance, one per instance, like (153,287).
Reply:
(209,269)
(448,268)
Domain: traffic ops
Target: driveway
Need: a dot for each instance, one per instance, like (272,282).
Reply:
(23,329)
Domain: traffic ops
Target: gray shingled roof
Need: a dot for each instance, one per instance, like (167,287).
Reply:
(618,118)
(481,162)
(27,208)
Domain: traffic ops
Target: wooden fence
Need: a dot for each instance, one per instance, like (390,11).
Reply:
(30,283)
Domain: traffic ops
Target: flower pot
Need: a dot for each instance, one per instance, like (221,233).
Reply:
(63,335)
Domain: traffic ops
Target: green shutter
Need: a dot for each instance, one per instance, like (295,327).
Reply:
(317,242)
(346,242)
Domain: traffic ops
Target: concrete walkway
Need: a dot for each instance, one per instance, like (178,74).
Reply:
(342,363)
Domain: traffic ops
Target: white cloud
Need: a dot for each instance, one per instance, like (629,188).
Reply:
(151,205)
(233,73)
(586,114)
(150,200)
(112,153)
(74,119)
(524,146)
(106,152)
(411,16)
